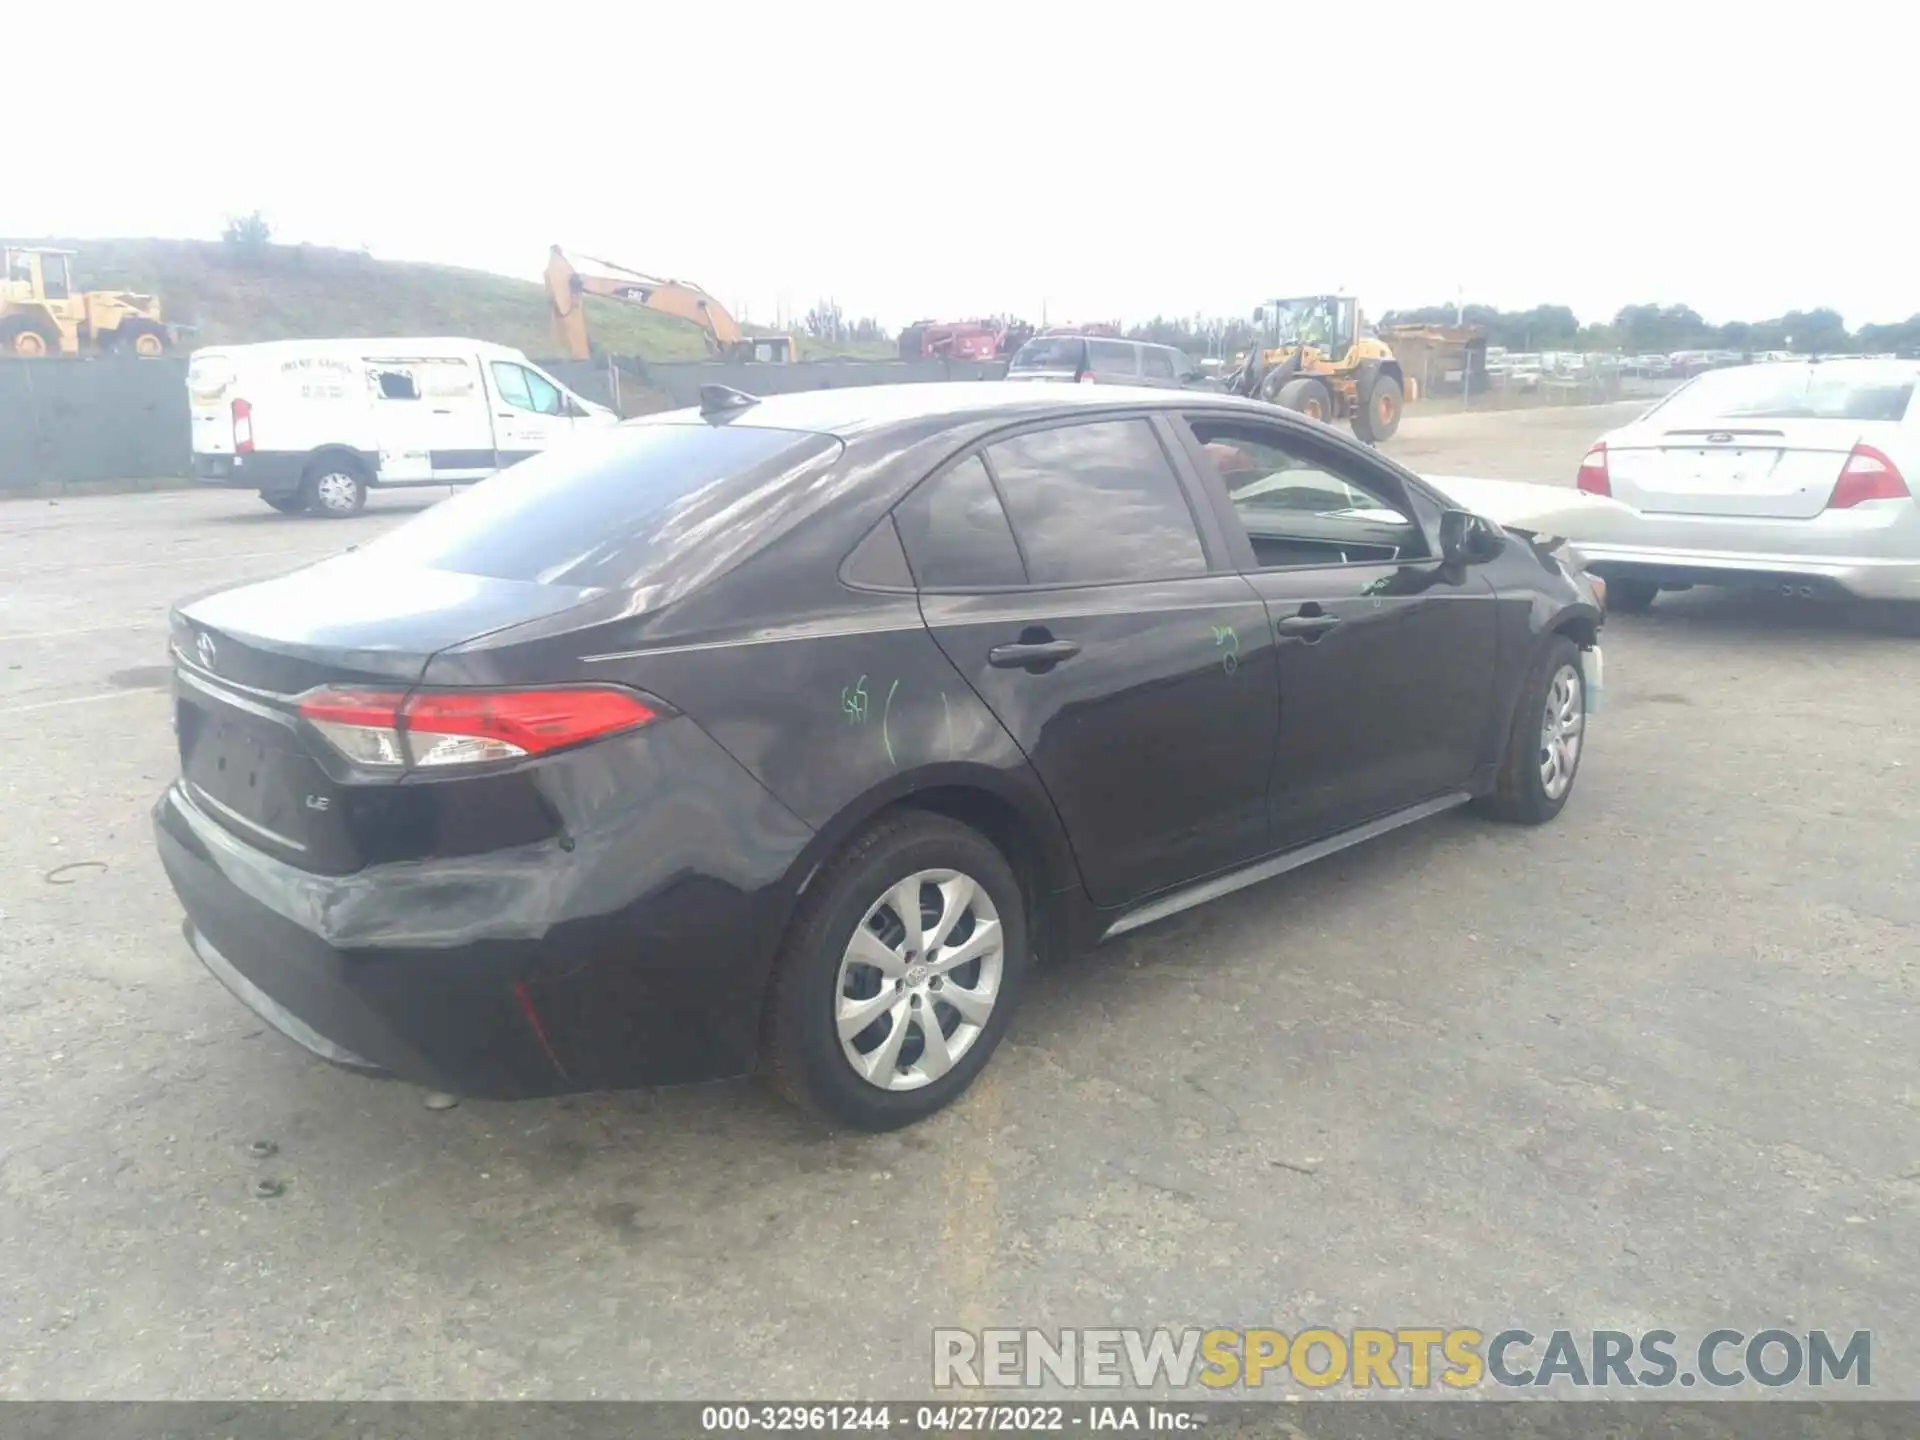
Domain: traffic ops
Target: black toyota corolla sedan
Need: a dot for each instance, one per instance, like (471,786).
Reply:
(785,734)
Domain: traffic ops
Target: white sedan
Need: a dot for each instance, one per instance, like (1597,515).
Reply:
(1791,477)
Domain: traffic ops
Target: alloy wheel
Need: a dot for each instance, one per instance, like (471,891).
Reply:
(919,979)
(1561,730)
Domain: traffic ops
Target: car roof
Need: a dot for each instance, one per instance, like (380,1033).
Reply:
(856,409)
(374,345)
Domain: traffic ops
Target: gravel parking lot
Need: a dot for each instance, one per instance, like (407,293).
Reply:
(1652,1066)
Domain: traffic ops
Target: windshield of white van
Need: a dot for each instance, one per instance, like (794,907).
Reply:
(610,509)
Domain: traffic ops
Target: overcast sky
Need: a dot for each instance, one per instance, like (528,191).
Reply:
(946,158)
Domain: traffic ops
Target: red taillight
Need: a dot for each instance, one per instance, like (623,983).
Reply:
(242,428)
(1593,477)
(385,729)
(1085,377)
(1867,475)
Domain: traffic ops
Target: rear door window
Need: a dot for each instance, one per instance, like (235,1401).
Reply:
(1112,357)
(610,508)
(956,533)
(1097,503)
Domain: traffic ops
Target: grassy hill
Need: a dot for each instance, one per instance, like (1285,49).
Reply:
(290,292)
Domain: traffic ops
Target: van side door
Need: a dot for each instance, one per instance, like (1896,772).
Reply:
(430,419)
(530,412)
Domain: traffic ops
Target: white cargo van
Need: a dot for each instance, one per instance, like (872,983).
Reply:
(311,424)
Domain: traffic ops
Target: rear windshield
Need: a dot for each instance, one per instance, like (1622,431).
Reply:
(614,508)
(208,377)
(1793,392)
(1053,352)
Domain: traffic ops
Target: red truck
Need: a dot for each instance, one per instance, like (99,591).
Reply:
(962,339)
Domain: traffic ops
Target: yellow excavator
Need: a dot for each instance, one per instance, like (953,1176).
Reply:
(41,313)
(568,286)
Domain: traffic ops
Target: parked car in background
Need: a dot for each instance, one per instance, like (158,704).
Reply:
(314,424)
(1792,476)
(1100,360)
(784,733)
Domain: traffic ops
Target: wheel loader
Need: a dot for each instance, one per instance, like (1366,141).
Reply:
(42,314)
(1316,354)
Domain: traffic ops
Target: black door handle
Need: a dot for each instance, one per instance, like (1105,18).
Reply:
(1032,652)
(1306,627)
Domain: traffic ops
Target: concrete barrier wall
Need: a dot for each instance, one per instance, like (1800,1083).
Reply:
(109,420)
(88,421)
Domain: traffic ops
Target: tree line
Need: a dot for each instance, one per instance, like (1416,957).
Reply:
(1635,329)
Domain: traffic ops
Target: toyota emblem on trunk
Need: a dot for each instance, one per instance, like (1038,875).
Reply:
(207,650)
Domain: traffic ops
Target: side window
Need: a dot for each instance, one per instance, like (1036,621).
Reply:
(544,394)
(1097,503)
(53,277)
(1155,363)
(956,534)
(1112,357)
(511,381)
(395,384)
(1301,506)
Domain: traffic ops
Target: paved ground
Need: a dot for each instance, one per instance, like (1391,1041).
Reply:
(1654,1065)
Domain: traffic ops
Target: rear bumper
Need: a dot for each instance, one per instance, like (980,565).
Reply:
(268,472)
(1864,578)
(1871,551)
(623,961)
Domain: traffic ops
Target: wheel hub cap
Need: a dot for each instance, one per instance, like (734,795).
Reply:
(919,979)
(336,491)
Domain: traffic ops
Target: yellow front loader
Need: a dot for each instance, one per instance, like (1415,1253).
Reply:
(42,313)
(1316,354)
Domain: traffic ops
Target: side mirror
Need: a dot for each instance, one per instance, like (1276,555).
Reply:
(1466,539)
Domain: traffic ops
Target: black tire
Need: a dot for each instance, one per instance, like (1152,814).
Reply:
(1630,595)
(1308,396)
(805,1062)
(1520,795)
(1379,418)
(28,336)
(334,486)
(143,338)
(286,504)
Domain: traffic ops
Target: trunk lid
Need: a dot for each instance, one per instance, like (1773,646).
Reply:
(244,657)
(1773,469)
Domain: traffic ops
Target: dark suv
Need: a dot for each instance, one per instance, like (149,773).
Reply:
(785,733)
